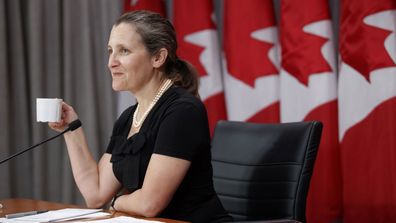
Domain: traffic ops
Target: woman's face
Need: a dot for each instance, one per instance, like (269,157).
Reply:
(129,60)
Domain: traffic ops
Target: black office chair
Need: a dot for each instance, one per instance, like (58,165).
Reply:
(262,171)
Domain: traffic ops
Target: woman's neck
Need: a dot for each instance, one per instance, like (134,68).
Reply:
(141,113)
(146,95)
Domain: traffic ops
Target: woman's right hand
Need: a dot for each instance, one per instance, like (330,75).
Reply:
(68,115)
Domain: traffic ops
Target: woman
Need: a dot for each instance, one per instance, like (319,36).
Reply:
(159,152)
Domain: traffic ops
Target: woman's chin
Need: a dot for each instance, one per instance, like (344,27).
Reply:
(117,87)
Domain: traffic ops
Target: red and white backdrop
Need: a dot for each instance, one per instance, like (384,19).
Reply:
(264,70)
(367,109)
(308,91)
(251,61)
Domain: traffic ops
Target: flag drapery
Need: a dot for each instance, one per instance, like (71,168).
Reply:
(267,71)
(309,92)
(367,109)
(251,61)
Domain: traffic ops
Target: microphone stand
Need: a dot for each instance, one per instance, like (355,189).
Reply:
(72,126)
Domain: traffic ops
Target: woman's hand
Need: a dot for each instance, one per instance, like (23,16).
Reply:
(68,115)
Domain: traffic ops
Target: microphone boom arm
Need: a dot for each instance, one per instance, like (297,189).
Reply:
(72,126)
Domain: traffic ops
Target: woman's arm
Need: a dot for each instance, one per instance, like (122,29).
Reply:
(96,182)
(163,177)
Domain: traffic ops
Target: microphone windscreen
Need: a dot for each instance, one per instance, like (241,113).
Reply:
(74,125)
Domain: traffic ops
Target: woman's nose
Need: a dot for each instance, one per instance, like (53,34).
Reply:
(113,61)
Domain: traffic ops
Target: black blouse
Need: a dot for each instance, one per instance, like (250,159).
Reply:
(176,126)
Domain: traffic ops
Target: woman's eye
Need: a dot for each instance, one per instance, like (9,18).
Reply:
(124,51)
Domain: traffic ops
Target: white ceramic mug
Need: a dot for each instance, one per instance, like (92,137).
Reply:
(49,109)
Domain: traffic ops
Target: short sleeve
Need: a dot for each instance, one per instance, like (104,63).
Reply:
(182,131)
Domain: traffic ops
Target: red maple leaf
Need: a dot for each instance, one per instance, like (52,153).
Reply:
(247,58)
(301,51)
(187,22)
(361,45)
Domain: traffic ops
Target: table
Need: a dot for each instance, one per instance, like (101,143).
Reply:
(21,205)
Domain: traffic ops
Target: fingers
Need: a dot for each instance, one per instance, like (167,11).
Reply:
(57,126)
(66,107)
(68,115)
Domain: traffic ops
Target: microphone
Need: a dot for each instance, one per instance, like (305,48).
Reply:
(72,126)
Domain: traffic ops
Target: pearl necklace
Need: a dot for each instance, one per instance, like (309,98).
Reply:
(163,88)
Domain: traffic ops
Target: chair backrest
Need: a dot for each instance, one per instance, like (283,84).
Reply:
(262,171)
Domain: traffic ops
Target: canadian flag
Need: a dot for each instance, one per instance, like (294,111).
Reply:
(151,5)
(367,109)
(251,61)
(308,91)
(198,43)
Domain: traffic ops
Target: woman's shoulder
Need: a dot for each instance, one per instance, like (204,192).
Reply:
(182,98)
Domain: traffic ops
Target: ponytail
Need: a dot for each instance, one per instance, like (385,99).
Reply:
(185,75)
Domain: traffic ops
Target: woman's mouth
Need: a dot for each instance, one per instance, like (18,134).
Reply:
(117,74)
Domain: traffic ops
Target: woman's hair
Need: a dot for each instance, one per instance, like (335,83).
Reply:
(157,33)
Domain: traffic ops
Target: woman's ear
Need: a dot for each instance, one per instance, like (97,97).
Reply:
(159,58)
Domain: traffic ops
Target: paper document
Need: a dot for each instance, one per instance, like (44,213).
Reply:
(122,219)
(88,216)
(6,220)
(57,215)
